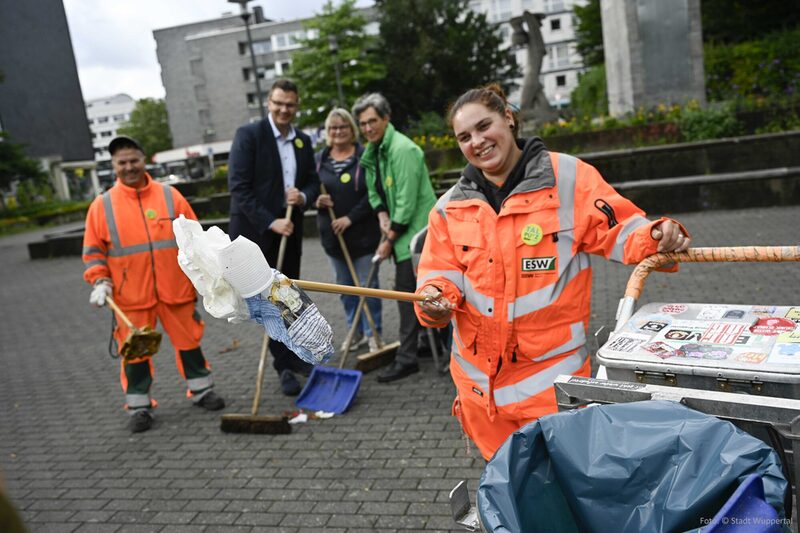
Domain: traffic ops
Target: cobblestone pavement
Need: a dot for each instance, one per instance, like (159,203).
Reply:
(71,465)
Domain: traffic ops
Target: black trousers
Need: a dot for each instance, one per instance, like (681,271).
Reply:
(406,281)
(283,357)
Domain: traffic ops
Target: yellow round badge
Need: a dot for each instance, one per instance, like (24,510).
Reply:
(298,142)
(389,181)
(532,234)
(150,213)
(344,178)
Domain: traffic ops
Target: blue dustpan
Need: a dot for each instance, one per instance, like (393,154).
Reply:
(329,389)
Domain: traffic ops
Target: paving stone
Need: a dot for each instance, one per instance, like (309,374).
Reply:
(388,464)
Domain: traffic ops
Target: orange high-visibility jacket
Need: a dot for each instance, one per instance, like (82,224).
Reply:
(521,281)
(129,238)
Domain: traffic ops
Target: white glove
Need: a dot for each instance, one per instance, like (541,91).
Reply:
(245,267)
(102,290)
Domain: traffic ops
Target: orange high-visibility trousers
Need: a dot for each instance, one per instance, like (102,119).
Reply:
(488,435)
(185,329)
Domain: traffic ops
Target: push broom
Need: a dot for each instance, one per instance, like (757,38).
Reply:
(253,422)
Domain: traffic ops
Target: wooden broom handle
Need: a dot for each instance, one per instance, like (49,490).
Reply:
(317,286)
(739,254)
(284,240)
(122,315)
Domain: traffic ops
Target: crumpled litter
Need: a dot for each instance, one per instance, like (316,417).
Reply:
(219,269)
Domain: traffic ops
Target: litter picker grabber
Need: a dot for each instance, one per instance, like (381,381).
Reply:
(255,423)
(140,342)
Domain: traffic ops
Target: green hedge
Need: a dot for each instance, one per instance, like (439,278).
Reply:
(768,67)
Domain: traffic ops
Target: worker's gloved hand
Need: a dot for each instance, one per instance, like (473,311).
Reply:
(102,290)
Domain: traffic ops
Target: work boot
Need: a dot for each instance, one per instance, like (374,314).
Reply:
(397,371)
(289,384)
(141,420)
(211,401)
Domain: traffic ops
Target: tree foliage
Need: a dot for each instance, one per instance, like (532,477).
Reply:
(590,98)
(732,21)
(589,33)
(314,67)
(15,165)
(149,126)
(767,67)
(433,51)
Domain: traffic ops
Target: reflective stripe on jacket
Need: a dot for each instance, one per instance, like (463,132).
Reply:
(521,278)
(129,238)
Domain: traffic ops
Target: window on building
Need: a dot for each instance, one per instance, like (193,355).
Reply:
(196,67)
(558,56)
(102,120)
(200,93)
(555,24)
(289,40)
(259,47)
(553,6)
(561,80)
(117,118)
(106,133)
(252,99)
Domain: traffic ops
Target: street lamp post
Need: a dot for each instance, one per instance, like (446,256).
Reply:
(333,48)
(246,17)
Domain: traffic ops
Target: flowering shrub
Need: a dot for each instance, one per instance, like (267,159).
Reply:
(438,142)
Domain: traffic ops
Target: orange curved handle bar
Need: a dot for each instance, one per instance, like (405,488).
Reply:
(733,254)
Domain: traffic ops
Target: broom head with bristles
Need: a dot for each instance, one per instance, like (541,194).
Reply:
(140,343)
(256,424)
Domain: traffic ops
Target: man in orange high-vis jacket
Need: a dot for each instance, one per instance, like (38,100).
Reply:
(519,280)
(130,253)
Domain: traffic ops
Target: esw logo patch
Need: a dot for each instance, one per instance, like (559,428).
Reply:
(538,264)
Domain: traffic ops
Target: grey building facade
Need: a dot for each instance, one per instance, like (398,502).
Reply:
(208,76)
(41,104)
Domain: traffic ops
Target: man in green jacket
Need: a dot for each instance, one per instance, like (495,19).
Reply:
(400,191)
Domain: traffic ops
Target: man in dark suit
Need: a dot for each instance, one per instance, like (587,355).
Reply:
(271,166)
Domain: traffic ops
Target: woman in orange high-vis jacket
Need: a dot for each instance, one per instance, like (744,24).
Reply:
(129,251)
(505,259)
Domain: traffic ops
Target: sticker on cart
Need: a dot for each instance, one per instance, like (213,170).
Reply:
(674,309)
(653,325)
(792,337)
(703,351)
(662,350)
(626,343)
(712,312)
(733,314)
(763,310)
(754,358)
(772,326)
(788,349)
(793,314)
(787,354)
(682,335)
(722,333)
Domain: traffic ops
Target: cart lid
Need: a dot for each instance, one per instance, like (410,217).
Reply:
(756,339)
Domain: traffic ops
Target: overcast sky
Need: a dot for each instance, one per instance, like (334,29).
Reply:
(114,45)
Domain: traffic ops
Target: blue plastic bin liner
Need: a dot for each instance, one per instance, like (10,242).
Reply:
(747,512)
(644,466)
